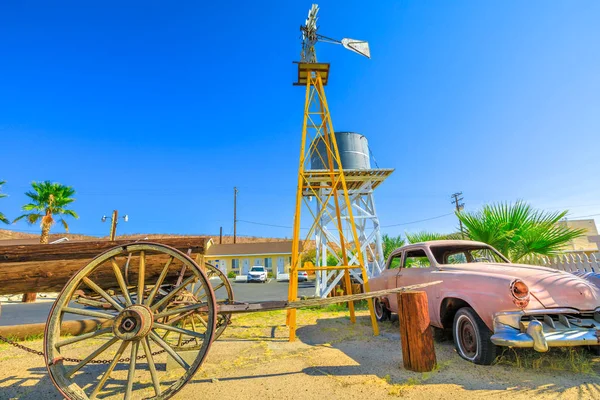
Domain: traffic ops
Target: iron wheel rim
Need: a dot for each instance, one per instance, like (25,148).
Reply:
(64,376)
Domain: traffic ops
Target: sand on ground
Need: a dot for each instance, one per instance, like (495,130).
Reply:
(332,359)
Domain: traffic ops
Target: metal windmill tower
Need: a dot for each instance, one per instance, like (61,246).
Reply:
(331,212)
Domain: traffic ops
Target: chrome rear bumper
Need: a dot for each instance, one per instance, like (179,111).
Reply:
(542,329)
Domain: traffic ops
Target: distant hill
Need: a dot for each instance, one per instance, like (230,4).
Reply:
(6,235)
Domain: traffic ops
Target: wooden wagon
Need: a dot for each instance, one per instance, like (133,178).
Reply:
(150,300)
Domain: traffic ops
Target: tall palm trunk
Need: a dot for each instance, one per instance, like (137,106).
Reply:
(45,233)
(31,297)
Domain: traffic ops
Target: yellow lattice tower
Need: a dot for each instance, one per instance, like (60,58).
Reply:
(327,186)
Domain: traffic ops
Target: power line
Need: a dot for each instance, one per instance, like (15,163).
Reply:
(420,220)
(383,226)
(263,224)
(584,216)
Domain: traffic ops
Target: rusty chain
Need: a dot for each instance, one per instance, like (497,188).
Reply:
(20,346)
(220,321)
(41,353)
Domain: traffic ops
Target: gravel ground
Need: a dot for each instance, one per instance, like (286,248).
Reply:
(331,359)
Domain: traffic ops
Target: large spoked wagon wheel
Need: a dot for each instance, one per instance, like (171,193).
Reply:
(197,293)
(223,295)
(135,317)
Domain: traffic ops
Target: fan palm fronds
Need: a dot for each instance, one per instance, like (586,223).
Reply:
(517,230)
(48,200)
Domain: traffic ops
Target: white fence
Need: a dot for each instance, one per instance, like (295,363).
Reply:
(570,262)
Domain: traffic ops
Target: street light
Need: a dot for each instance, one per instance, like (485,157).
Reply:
(114,221)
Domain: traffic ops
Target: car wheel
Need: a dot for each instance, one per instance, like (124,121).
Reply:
(472,337)
(381,312)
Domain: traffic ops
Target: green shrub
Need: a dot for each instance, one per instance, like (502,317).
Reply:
(231,274)
(269,274)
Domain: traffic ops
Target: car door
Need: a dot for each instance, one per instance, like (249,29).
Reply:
(389,277)
(416,268)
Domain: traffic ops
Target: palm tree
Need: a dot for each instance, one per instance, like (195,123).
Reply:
(391,243)
(2,216)
(425,236)
(47,201)
(517,230)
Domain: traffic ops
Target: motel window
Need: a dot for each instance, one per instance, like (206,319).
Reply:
(268,263)
(235,263)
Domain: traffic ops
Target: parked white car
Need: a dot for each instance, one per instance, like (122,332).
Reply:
(302,276)
(257,273)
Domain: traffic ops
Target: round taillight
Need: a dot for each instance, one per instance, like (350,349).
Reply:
(519,290)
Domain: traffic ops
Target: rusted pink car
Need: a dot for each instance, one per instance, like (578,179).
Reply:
(487,301)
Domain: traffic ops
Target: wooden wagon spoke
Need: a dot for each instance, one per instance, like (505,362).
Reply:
(90,357)
(131,374)
(168,350)
(180,340)
(141,273)
(88,313)
(202,321)
(167,333)
(79,338)
(194,328)
(173,292)
(178,330)
(118,306)
(110,369)
(171,321)
(161,279)
(218,287)
(179,310)
(204,295)
(151,366)
(121,282)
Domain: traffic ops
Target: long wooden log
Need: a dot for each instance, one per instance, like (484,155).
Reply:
(81,250)
(54,267)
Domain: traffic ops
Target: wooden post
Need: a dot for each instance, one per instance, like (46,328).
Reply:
(235,215)
(113,225)
(418,353)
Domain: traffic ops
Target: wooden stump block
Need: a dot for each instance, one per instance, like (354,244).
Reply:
(418,353)
(29,297)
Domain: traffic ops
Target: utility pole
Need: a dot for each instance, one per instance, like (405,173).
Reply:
(459,207)
(235,191)
(113,225)
(221,235)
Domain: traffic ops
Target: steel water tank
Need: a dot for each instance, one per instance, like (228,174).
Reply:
(353,148)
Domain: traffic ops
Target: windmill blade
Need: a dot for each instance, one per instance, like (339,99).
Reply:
(358,46)
(311,21)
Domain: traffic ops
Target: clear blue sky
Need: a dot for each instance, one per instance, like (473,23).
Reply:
(158,109)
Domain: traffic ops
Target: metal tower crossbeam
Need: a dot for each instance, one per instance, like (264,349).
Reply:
(367,224)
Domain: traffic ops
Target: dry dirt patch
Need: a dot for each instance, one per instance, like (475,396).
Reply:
(332,359)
